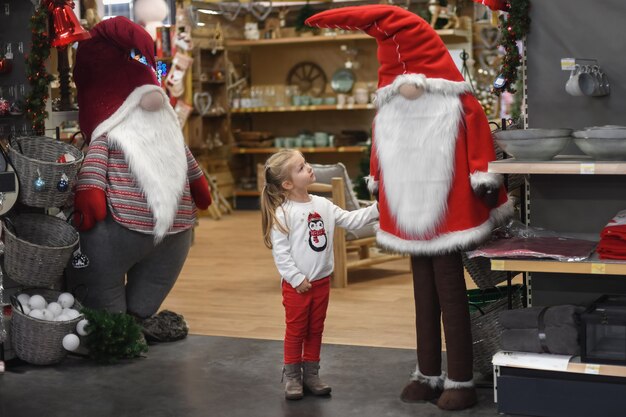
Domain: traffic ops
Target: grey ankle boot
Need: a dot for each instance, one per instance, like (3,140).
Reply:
(311,379)
(293,386)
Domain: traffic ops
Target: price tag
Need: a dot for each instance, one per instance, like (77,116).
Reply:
(568,64)
(598,268)
(588,169)
(497,265)
(592,368)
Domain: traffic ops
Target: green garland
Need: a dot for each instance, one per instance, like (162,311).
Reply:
(112,337)
(513,27)
(38,78)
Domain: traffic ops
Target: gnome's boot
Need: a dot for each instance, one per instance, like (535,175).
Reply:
(422,388)
(293,386)
(312,381)
(457,395)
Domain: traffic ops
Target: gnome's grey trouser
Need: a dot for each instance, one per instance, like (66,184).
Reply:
(127,272)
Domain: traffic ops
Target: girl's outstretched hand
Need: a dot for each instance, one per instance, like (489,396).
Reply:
(304,286)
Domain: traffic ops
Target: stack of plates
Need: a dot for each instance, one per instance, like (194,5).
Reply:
(533,144)
(602,143)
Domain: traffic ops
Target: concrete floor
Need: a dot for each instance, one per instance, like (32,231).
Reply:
(218,376)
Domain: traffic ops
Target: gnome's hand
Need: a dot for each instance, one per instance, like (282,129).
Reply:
(91,206)
(488,194)
(200,192)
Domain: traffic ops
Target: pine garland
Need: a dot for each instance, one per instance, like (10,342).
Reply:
(112,337)
(38,78)
(513,27)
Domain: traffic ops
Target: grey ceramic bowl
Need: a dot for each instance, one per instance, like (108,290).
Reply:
(602,144)
(533,144)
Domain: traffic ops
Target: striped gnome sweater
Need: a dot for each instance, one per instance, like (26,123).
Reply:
(105,168)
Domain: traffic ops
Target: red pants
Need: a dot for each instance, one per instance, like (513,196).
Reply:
(304,316)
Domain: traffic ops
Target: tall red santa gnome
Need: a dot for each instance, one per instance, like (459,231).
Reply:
(139,185)
(430,150)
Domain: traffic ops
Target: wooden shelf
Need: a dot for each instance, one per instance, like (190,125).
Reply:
(447,35)
(321,107)
(353,149)
(573,165)
(246,193)
(594,266)
(557,363)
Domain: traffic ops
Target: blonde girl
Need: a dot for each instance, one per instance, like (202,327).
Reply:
(299,229)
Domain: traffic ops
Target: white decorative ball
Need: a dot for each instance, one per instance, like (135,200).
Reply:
(48,315)
(37,302)
(66,300)
(23,299)
(36,314)
(71,342)
(62,317)
(71,313)
(80,327)
(25,309)
(55,308)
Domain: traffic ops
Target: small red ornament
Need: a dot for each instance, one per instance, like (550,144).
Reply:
(495,4)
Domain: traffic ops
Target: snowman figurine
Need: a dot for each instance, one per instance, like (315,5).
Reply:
(317,233)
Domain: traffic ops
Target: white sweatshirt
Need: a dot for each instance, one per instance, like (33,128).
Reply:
(307,250)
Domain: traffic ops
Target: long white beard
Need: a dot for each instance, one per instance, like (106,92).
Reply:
(415,142)
(154,148)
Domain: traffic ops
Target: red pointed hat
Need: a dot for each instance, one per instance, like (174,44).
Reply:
(105,74)
(406,42)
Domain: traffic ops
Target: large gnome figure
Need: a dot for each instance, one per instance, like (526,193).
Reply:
(139,185)
(431,146)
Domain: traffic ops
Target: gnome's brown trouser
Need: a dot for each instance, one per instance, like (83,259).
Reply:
(439,289)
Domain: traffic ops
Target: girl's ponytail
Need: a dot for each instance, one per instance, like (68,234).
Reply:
(273,195)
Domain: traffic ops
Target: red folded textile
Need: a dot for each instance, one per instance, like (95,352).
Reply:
(616,227)
(609,254)
(612,244)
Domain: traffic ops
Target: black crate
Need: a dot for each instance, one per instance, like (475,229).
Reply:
(603,331)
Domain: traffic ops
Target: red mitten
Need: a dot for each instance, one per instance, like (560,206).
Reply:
(90,206)
(200,192)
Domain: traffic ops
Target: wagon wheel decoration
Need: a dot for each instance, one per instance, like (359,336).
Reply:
(309,77)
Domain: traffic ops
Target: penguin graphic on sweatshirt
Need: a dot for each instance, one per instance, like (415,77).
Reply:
(317,233)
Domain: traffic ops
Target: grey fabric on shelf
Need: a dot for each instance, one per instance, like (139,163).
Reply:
(528,318)
(559,340)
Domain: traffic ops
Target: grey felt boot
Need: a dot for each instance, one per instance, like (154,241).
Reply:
(293,386)
(311,379)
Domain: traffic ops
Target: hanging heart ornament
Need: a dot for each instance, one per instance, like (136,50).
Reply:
(259,11)
(490,37)
(230,10)
(202,102)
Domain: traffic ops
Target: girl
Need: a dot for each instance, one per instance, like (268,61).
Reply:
(299,227)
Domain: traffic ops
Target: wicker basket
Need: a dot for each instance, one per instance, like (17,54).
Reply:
(486,329)
(40,342)
(37,248)
(479,269)
(35,157)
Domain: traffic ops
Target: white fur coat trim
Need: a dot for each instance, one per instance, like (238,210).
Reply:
(431,381)
(415,145)
(131,102)
(451,384)
(372,184)
(489,179)
(449,242)
(432,85)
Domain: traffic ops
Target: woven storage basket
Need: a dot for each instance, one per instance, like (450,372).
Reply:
(36,156)
(479,269)
(40,342)
(486,329)
(37,248)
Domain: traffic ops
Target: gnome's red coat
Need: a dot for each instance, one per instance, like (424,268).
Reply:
(430,155)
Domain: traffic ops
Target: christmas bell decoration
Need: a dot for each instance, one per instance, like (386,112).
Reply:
(67,29)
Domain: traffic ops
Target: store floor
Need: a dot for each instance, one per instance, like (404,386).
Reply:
(218,376)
